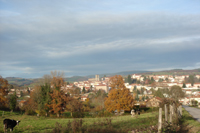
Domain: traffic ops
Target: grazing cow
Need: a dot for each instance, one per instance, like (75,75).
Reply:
(8,123)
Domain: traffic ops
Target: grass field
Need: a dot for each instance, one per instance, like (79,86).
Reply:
(34,124)
(190,123)
(41,124)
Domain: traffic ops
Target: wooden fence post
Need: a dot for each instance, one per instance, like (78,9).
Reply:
(3,114)
(160,121)
(181,113)
(170,114)
(166,116)
(173,110)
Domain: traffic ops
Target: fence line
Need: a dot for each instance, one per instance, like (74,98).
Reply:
(174,114)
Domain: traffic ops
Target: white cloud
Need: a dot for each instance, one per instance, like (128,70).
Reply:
(36,36)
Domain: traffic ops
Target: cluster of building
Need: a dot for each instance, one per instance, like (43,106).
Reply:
(192,92)
(97,83)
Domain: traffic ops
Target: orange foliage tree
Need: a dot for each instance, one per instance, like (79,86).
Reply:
(59,99)
(119,97)
(30,105)
(3,91)
(58,103)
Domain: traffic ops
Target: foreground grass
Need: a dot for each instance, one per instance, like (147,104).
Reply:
(36,124)
(189,123)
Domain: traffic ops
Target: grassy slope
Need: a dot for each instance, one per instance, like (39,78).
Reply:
(42,124)
(190,123)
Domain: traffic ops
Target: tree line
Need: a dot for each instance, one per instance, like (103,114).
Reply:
(49,98)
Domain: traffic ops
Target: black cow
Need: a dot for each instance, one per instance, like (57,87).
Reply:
(8,123)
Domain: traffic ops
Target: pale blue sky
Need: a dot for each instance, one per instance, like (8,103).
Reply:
(83,37)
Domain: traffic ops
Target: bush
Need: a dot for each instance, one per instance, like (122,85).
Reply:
(74,126)
(29,112)
(78,115)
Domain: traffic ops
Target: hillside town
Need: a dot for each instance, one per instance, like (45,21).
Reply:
(141,87)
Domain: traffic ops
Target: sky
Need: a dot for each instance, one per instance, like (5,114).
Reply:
(88,37)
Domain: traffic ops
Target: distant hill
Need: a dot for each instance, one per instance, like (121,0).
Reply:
(30,82)
(124,73)
(174,72)
(76,78)
(20,81)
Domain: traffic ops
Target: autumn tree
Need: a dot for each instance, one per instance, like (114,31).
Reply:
(75,91)
(3,91)
(98,100)
(58,102)
(117,82)
(56,79)
(31,105)
(75,106)
(33,101)
(119,97)
(58,97)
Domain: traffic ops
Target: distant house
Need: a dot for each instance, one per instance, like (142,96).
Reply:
(101,87)
(83,98)
(154,102)
(22,103)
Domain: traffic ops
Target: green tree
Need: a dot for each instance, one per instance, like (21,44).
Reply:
(145,78)
(143,98)
(135,88)
(138,92)
(160,80)
(12,101)
(137,98)
(176,92)
(147,97)
(184,86)
(83,90)
(152,80)
(191,79)
(44,98)
(142,90)
(21,94)
(159,93)
(129,79)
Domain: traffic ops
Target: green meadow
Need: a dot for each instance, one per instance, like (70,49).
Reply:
(34,124)
(117,124)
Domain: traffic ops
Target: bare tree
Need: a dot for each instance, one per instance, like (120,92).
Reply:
(176,92)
